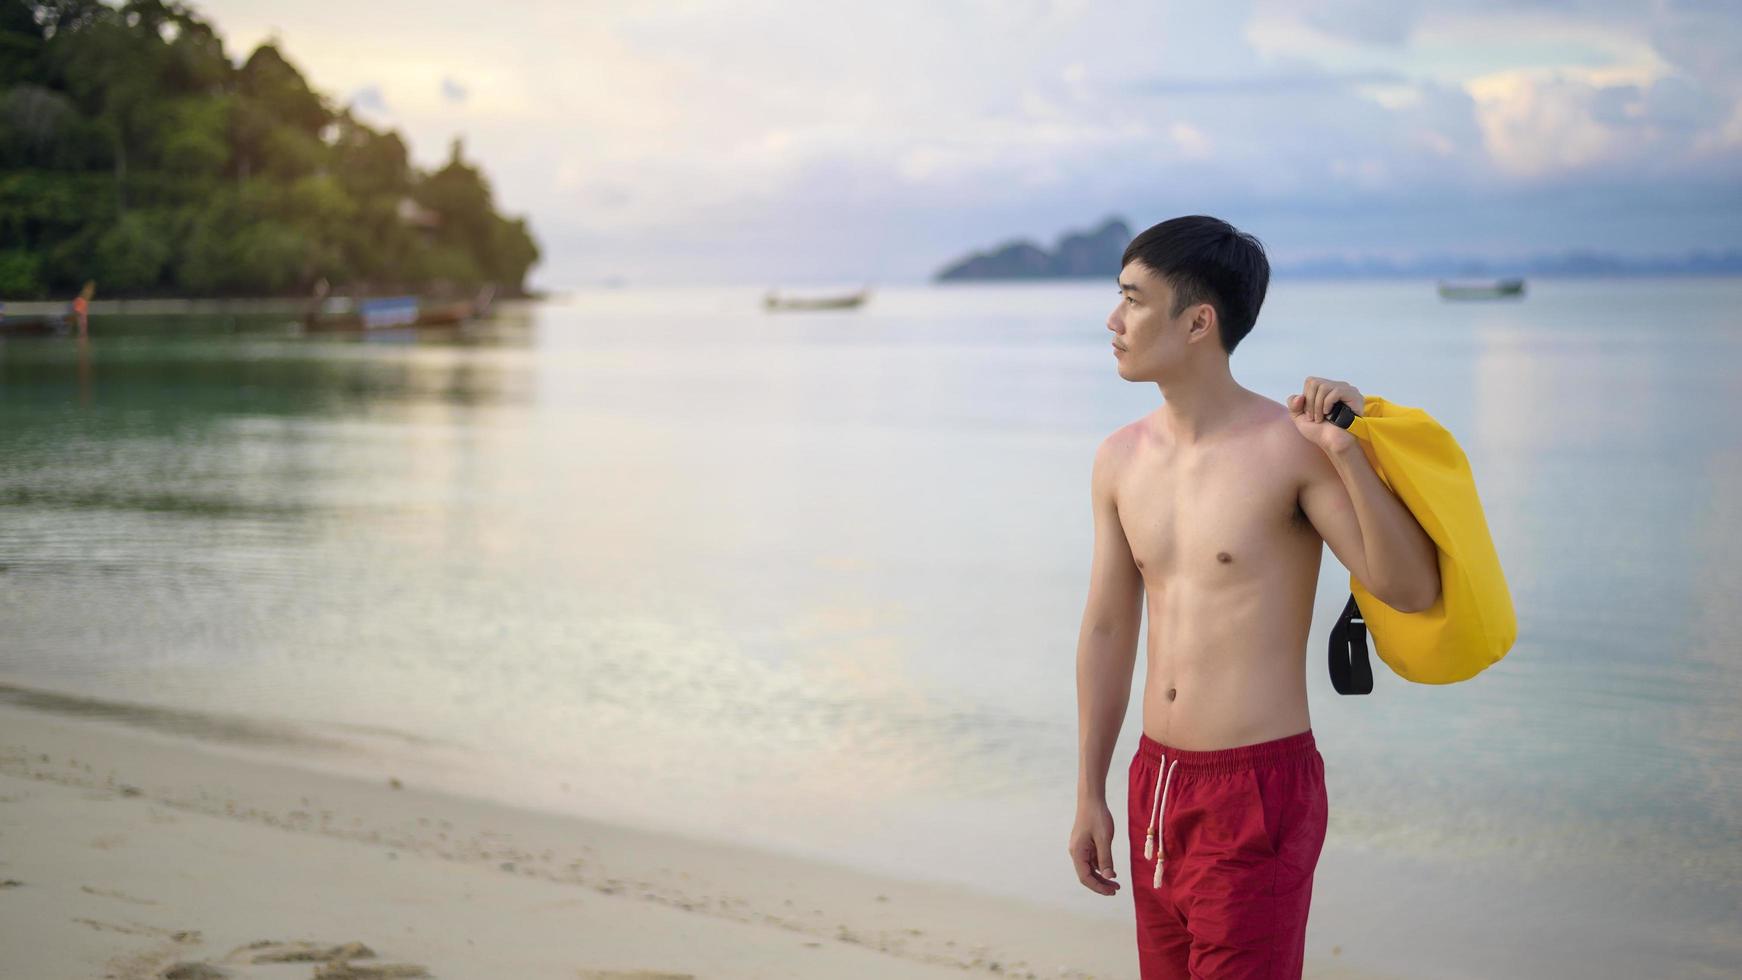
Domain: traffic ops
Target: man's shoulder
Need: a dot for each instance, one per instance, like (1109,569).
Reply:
(1115,451)
(1274,427)
(1268,441)
(1122,442)
(1290,455)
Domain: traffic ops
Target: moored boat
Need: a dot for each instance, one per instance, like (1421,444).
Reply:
(774,301)
(36,326)
(447,314)
(375,313)
(1482,289)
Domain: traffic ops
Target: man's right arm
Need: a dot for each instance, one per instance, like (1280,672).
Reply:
(1107,642)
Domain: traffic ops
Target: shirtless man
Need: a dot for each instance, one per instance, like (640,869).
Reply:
(1214,508)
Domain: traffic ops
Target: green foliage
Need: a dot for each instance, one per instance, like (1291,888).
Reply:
(205,260)
(273,254)
(20,274)
(133,253)
(40,209)
(192,135)
(134,152)
(370,163)
(270,81)
(42,127)
(63,261)
(21,45)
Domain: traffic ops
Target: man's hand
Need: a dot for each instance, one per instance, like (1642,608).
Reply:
(1311,410)
(1091,847)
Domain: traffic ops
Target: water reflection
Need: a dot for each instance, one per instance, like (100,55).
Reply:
(212,420)
(817,580)
(1710,728)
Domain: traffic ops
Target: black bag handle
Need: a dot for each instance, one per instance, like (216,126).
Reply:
(1351,670)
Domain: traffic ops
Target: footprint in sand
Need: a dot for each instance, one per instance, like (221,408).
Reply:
(130,928)
(633,975)
(334,959)
(107,893)
(269,951)
(340,970)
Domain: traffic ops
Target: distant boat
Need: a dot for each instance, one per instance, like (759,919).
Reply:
(50,325)
(1482,289)
(446,314)
(46,324)
(773,301)
(377,313)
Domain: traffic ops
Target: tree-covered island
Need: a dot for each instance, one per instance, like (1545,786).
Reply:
(133,152)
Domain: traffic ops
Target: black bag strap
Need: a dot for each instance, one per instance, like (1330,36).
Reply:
(1351,671)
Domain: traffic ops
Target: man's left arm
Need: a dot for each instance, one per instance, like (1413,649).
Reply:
(1369,530)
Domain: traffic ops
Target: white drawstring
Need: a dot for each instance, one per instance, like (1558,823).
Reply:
(1151,844)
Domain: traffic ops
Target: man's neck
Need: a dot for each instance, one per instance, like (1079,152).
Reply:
(1195,408)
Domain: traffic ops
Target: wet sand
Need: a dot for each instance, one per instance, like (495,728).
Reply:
(134,854)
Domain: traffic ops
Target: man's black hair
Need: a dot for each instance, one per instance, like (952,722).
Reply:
(1207,260)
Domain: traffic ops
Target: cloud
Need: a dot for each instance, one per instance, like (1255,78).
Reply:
(1191,140)
(369,99)
(1384,22)
(762,141)
(1294,83)
(1538,125)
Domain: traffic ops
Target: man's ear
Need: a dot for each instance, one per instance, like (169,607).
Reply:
(1205,317)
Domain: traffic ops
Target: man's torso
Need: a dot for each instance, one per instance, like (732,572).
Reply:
(1230,567)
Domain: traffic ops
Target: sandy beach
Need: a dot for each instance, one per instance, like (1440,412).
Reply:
(143,841)
(132,854)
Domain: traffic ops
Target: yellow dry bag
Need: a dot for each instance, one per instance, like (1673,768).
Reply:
(1472,624)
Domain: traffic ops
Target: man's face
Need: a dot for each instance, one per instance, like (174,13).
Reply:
(1146,337)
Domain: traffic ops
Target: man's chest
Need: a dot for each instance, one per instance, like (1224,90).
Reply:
(1210,517)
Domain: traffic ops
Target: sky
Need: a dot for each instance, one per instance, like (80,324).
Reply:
(688,142)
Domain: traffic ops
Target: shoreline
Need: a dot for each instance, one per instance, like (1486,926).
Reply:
(206,306)
(133,852)
(246,305)
(134,838)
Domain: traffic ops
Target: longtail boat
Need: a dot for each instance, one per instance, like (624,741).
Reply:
(774,301)
(1488,289)
(382,312)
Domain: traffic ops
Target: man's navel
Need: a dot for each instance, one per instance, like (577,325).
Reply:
(1224,557)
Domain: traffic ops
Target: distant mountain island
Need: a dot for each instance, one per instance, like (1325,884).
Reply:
(1096,254)
(1078,255)
(1572,263)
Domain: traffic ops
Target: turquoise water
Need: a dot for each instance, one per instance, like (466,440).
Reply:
(814,580)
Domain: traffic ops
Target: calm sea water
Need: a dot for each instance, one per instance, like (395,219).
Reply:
(814,580)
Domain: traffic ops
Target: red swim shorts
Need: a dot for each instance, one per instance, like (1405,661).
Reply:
(1223,885)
